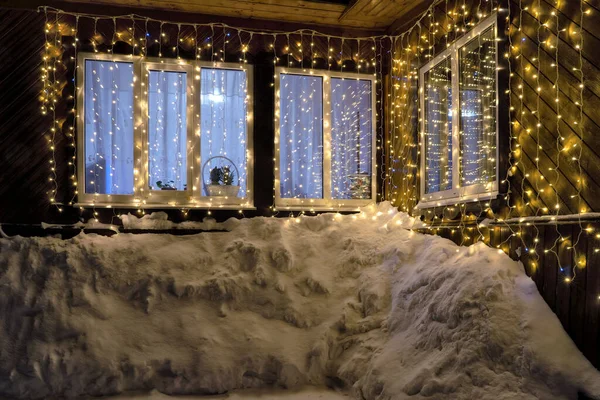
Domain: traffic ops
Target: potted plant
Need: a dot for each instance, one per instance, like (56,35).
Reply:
(169,185)
(221,182)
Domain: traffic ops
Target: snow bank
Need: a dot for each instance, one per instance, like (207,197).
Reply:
(160,221)
(248,394)
(356,301)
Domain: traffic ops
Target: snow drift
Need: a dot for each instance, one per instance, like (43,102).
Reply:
(356,302)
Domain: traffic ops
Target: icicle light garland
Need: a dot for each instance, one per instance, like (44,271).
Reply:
(542,192)
(340,50)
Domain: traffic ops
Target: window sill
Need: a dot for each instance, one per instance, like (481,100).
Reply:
(445,201)
(352,207)
(149,206)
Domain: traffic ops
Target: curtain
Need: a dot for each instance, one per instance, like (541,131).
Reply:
(301,136)
(223,122)
(167,133)
(108,127)
(351,138)
(478,110)
(438,127)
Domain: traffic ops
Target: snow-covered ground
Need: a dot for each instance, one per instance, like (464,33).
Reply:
(356,302)
(248,394)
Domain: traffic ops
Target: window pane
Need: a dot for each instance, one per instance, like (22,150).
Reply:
(351,138)
(223,125)
(167,167)
(301,136)
(438,127)
(108,145)
(478,110)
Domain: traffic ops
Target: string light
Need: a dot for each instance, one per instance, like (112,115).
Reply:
(434,31)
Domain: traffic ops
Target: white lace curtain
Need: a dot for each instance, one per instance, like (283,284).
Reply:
(223,122)
(301,136)
(108,127)
(351,135)
(167,104)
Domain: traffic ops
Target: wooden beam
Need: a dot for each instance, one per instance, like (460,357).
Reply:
(192,18)
(349,8)
(412,12)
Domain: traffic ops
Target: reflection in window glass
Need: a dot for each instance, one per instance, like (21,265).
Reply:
(351,138)
(438,127)
(108,118)
(167,132)
(301,136)
(477,64)
(223,125)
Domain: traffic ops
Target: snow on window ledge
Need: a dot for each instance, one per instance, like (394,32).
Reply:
(164,206)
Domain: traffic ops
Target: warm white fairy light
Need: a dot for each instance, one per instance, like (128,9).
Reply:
(404,55)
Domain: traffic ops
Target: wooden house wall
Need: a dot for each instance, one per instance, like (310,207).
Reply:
(26,156)
(540,163)
(25,153)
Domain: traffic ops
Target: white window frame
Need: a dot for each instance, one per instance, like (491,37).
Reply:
(326,203)
(142,197)
(91,198)
(168,196)
(457,194)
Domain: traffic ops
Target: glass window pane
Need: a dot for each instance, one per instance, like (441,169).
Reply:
(224,128)
(438,127)
(301,136)
(109,121)
(351,138)
(167,130)
(478,110)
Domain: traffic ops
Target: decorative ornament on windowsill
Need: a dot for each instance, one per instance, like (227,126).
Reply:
(168,185)
(221,179)
(359,185)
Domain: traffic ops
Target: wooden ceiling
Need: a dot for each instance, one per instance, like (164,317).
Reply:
(375,15)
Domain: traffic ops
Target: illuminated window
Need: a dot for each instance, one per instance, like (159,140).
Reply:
(224,124)
(159,132)
(324,140)
(459,99)
(108,141)
(169,131)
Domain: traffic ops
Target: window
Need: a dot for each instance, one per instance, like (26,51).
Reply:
(458,115)
(109,128)
(158,132)
(224,126)
(168,132)
(324,139)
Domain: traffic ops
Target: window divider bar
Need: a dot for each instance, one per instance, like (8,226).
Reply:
(422,135)
(327,137)
(456,184)
(139,179)
(277,123)
(196,150)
